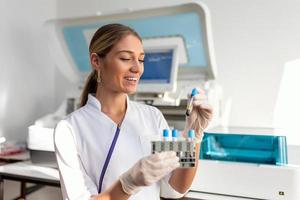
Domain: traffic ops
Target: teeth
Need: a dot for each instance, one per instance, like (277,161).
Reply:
(131,79)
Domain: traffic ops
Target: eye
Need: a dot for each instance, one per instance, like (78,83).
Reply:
(141,61)
(125,59)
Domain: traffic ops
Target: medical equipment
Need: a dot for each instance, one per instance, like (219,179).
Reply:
(40,135)
(185,150)
(260,149)
(184,147)
(191,135)
(239,165)
(190,102)
(160,67)
(174,135)
(165,135)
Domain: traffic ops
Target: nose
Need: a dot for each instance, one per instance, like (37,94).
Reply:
(137,66)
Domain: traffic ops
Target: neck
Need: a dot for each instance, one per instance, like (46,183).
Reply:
(112,103)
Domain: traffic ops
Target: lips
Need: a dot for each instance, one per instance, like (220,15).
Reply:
(131,78)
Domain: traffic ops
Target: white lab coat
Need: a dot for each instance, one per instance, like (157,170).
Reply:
(82,141)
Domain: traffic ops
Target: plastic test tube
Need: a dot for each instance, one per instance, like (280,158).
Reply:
(174,135)
(191,135)
(165,135)
(190,103)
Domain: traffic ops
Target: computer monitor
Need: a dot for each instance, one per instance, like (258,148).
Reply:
(160,68)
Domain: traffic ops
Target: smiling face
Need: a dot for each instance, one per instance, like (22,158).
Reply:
(123,66)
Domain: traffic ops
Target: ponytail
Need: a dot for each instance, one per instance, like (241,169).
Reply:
(89,87)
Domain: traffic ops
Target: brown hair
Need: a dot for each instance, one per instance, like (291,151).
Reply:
(104,39)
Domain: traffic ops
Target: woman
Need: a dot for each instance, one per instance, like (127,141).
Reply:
(100,147)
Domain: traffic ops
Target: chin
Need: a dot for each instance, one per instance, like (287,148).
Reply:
(129,90)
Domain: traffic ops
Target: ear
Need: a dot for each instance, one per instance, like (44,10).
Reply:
(96,61)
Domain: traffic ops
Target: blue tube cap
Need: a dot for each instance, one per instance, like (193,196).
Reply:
(174,133)
(165,133)
(194,92)
(191,133)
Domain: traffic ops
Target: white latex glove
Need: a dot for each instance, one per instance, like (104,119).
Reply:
(200,116)
(148,170)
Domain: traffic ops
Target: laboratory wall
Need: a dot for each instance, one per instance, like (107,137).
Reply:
(253,40)
(26,76)
(26,70)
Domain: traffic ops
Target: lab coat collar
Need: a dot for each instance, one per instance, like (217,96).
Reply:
(93,102)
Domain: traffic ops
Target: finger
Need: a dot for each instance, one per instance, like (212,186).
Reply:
(149,179)
(200,97)
(206,107)
(204,114)
(167,165)
(163,155)
(157,157)
(200,116)
(199,102)
(155,175)
(164,163)
(203,107)
(167,168)
(171,158)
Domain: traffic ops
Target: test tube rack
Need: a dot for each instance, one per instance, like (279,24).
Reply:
(185,150)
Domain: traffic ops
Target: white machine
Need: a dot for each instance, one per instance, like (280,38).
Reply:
(178,58)
(245,163)
(40,135)
(216,179)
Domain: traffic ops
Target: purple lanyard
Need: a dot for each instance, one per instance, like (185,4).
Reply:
(109,154)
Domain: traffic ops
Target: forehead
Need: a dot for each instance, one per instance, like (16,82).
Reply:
(129,42)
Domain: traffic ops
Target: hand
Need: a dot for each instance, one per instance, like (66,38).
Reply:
(148,170)
(200,116)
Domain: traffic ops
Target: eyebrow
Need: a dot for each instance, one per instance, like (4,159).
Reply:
(128,51)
